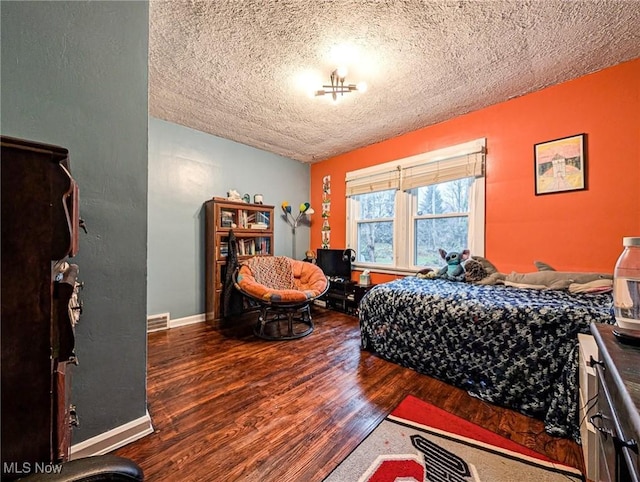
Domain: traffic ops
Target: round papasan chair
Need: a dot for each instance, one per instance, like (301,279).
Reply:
(284,288)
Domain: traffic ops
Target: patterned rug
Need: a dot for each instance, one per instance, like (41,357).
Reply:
(420,442)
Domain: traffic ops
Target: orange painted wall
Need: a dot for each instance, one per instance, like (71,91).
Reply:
(572,231)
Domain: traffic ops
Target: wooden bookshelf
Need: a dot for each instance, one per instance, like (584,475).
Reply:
(252,225)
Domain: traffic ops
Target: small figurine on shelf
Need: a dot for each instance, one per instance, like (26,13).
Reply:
(234,195)
(310,256)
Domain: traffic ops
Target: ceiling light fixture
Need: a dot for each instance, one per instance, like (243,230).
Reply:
(338,86)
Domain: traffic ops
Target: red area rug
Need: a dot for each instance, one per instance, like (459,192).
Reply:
(423,443)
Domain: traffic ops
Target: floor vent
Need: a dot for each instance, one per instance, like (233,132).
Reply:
(158,322)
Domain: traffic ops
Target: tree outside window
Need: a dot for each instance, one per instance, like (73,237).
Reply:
(441,220)
(375,226)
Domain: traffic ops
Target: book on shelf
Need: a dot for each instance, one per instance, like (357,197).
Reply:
(243,219)
(262,217)
(246,247)
(263,245)
(258,226)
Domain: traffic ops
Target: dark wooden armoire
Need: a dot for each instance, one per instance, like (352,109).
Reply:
(40,304)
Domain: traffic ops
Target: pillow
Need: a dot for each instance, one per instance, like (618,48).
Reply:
(474,271)
(595,286)
(426,273)
(486,264)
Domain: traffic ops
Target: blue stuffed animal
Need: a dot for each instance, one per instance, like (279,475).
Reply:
(454,270)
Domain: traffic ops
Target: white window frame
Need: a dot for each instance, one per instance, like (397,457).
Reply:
(383,176)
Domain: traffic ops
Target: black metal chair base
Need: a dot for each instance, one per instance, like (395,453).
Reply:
(284,322)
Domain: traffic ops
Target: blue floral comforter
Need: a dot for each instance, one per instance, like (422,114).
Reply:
(509,346)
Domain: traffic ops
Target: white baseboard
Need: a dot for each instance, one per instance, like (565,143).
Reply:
(187,320)
(113,439)
(163,321)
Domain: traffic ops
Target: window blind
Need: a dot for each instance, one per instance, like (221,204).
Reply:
(433,172)
(361,183)
(441,165)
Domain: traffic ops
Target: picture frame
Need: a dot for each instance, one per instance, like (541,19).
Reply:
(560,165)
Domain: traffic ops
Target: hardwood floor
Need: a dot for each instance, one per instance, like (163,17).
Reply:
(227,406)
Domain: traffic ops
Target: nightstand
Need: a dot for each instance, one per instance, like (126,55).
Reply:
(354,298)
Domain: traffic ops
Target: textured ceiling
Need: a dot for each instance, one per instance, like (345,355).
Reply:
(242,70)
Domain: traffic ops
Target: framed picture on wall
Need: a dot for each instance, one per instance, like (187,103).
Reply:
(560,165)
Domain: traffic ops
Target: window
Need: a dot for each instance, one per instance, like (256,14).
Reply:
(374,226)
(440,219)
(400,213)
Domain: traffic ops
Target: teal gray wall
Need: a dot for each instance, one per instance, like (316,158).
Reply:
(74,74)
(187,167)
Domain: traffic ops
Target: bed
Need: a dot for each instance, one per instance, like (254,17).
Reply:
(510,346)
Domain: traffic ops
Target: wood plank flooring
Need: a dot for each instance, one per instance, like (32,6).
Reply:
(227,406)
